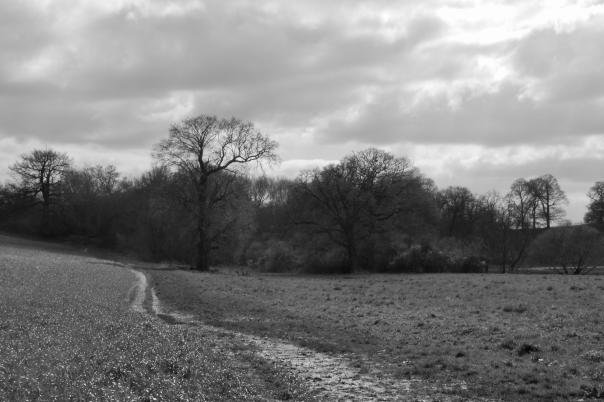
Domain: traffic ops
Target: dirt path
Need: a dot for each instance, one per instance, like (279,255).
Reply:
(136,294)
(331,377)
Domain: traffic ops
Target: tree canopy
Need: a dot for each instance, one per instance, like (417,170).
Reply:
(205,146)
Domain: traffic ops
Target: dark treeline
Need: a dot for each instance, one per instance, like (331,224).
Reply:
(372,211)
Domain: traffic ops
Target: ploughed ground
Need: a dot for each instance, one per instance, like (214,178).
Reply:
(458,336)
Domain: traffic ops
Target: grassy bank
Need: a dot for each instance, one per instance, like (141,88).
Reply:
(67,333)
(515,337)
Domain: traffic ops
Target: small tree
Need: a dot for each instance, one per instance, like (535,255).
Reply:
(520,200)
(595,209)
(551,198)
(570,249)
(202,147)
(40,173)
(91,202)
(457,208)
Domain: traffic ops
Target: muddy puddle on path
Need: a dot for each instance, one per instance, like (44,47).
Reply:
(332,377)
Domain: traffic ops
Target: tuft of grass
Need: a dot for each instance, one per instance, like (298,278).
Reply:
(527,348)
(508,344)
(519,308)
(594,356)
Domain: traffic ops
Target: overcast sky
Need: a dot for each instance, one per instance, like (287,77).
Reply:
(475,93)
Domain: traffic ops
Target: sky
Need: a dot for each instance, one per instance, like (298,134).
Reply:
(474,93)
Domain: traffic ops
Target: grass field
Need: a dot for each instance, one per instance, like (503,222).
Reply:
(67,332)
(511,337)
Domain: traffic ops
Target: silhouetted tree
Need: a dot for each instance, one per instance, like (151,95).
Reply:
(595,209)
(570,249)
(535,189)
(520,200)
(551,198)
(201,147)
(270,199)
(457,208)
(518,207)
(39,174)
(91,202)
(359,198)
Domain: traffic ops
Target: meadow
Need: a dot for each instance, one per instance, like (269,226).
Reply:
(68,332)
(510,337)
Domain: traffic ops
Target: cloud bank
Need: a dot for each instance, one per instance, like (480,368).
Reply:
(475,94)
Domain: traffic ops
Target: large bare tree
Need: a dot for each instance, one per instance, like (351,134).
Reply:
(203,147)
(356,198)
(40,173)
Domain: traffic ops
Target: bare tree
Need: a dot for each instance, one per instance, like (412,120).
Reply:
(457,207)
(551,198)
(97,180)
(520,200)
(40,173)
(355,198)
(202,147)
(535,189)
(595,209)
(537,201)
(521,205)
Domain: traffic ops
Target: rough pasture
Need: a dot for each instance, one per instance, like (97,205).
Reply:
(505,336)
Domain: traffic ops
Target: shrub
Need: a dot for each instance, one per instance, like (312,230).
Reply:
(420,259)
(425,259)
(570,249)
(329,262)
(471,264)
(273,256)
(520,308)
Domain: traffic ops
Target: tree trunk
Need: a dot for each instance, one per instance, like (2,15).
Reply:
(353,263)
(202,260)
(504,250)
(45,223)
(202,257)
(353,257)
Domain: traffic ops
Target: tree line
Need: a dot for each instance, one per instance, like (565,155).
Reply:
(371,211)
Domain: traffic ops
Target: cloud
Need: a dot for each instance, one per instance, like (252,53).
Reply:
(566,65)
(481,169)
(237,59)
(504,117)
(460,79)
